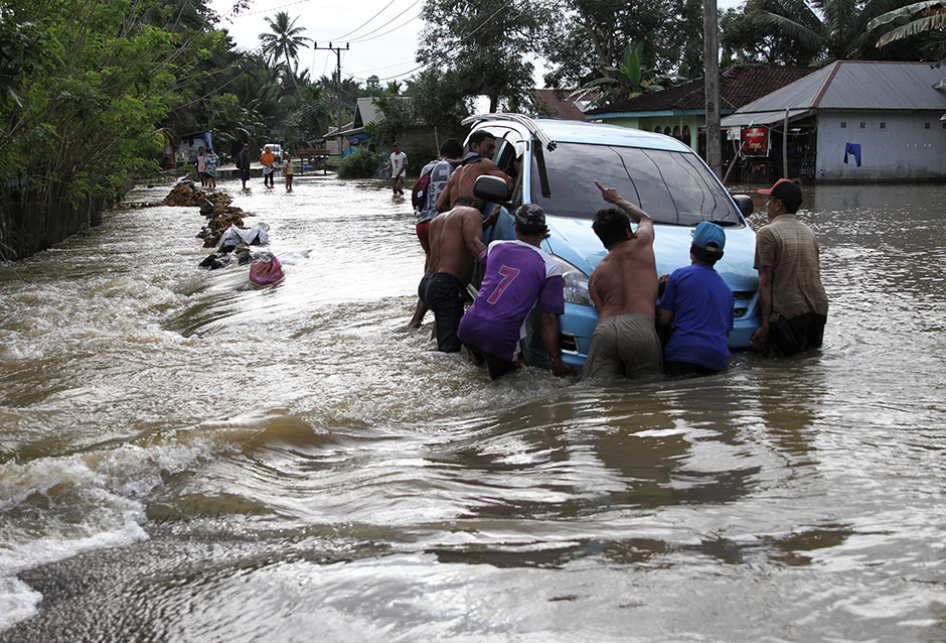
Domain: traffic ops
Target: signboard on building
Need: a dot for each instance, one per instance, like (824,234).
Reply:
(755,141)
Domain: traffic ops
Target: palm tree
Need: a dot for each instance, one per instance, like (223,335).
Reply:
(284,42)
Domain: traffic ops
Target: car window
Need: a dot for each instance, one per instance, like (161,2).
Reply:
(672,187)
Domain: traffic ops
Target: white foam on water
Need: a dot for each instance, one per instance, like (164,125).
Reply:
(17,600)
(81,503)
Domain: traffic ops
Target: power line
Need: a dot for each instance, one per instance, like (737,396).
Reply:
(256,13)
(389,31)
(366,23)
(407,73)
(364,37)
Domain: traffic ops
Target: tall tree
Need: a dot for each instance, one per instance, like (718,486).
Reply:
(88,110)
(284,43)
(588,36)
(748,37)
(836,29)
(485,45)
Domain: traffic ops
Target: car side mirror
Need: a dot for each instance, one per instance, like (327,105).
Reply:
(491,188)
(744,203)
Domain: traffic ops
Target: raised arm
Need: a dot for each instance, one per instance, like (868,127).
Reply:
(645,225)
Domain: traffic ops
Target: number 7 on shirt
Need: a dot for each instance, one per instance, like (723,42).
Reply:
(508,275)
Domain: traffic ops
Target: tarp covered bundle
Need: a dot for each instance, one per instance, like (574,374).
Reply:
(258,235)
(265,270)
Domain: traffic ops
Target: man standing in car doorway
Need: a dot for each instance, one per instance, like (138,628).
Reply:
(477,162)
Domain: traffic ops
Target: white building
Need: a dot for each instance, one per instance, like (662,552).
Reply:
(860,121)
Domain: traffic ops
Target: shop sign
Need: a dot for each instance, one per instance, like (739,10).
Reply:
(755,141)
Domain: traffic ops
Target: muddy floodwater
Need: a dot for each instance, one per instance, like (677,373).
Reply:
(183,459)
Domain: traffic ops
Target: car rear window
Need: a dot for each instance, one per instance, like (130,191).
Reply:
(672,187)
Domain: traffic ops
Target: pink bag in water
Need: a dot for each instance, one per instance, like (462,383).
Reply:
(265,271)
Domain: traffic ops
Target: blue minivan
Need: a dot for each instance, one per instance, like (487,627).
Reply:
(561,160)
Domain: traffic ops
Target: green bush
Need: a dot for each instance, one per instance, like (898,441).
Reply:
(362,164)
(420,155)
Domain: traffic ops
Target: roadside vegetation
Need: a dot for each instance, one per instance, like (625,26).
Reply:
(92,90)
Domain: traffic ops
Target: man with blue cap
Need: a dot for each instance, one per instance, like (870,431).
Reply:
(697,304)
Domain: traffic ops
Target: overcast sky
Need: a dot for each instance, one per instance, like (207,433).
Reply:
(382,35)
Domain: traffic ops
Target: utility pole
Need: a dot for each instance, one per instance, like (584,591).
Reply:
(714,155)
(338,75)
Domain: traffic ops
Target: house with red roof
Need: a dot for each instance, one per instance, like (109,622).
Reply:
(561,104)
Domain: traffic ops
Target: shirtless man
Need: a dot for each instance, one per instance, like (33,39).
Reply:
(456,242)
(477,162)
(623,288)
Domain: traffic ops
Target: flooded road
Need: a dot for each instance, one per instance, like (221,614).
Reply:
(182,459)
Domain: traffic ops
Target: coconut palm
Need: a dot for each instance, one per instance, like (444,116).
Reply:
(284,42)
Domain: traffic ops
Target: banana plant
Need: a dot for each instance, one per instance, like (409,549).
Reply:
(625,80)
(932,15)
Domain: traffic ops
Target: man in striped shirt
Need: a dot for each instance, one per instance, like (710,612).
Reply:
(793,300)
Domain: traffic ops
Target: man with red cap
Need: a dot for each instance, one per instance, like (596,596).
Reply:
(793,301)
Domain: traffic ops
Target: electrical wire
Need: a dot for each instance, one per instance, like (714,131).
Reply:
(256,13)
(363,37)
(381,35)
(366,23)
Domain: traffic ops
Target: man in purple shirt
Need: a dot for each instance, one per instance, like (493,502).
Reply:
(518,273)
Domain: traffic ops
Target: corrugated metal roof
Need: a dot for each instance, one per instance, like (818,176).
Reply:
(855,84)
(884,85)
(748,119)
(738,85)
(366,112)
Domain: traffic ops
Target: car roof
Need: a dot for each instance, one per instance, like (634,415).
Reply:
(569,131)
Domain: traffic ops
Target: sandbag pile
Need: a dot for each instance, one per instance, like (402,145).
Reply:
(185,193)
(215,206)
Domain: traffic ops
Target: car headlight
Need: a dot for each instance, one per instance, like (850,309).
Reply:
(575,283)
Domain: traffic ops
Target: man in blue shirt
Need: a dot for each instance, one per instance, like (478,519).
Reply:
(698,306)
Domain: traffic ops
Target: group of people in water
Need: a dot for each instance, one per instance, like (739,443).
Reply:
(676,324)
(268,161)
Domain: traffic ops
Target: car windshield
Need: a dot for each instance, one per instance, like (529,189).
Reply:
(672,187)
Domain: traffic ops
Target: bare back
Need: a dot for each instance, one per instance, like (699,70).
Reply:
(625,280)
(462,180)
(456,242)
